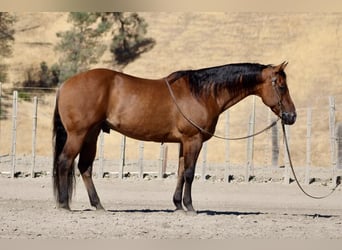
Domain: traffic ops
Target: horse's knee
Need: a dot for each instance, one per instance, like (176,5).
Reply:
(189,174)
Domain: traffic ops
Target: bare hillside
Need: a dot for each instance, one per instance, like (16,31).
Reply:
(311,42)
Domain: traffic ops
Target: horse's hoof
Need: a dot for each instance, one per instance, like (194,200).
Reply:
(63,207)
(191,213)
(179,211)
(100,209)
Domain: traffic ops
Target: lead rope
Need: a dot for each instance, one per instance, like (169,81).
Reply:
(289,155)
(255,134)
(294,174)
(209,133)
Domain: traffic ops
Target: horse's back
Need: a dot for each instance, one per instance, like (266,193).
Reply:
(95,77)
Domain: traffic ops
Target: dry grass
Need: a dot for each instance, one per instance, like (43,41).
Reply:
(311,42)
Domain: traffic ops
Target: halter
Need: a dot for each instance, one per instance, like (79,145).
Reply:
(274,81)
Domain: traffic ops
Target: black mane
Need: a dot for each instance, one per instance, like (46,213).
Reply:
(229,76)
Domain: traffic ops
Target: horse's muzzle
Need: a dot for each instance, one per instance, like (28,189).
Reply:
(289,118)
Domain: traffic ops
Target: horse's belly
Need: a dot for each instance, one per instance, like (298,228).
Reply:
(144,129)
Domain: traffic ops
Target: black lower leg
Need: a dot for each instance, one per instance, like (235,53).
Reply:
(177,200)
(177,197)
(65,183)
(89,184)
(189,177)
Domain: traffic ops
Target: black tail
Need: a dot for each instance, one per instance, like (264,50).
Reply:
(59,138)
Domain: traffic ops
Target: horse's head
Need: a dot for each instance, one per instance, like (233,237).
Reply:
(275,93)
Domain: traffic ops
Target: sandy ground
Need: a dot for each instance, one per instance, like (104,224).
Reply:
(143,209)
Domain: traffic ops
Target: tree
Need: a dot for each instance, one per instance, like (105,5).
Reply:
(129,39)
(42,77)
(6,40)
(81,46)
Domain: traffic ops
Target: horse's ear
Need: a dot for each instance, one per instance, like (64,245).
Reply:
(281,66)
(284,64)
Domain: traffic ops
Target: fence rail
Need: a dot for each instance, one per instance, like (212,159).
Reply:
(163,164)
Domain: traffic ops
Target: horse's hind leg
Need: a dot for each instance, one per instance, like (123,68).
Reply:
(85,165)
(64,175)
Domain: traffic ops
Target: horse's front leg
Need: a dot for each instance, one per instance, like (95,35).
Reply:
(177,197)
(186,172)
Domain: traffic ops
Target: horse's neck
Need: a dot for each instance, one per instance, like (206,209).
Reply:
(228,99)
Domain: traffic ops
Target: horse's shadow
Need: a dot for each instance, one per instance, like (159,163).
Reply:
(169,211)
(235,213)
(204,212)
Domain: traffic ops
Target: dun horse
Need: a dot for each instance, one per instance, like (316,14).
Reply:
(183,108)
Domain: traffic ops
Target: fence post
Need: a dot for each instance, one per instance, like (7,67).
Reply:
(101,155)
(332,120)
(14,131)
(267,146)
(286,157)
(122,156)
(141,160)
(34,135)
(204,160)
(166,149)
(339,151)
(339,146)
(308,145)
(275,146)
(227,168)
(250,144)
(163,160)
